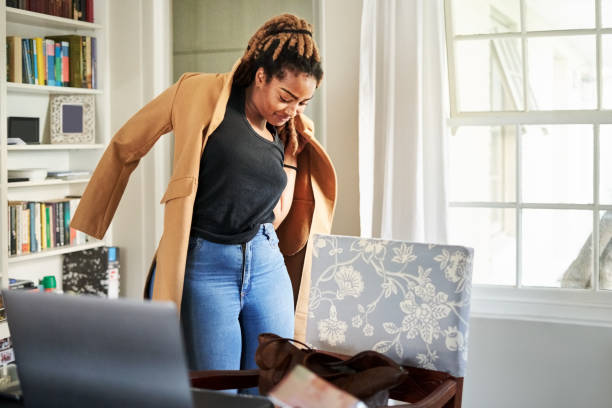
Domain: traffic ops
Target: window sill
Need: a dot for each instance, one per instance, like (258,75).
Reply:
(554,305)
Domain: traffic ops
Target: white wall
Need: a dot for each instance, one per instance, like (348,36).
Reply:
(529,364)
(342,19)
(139,71)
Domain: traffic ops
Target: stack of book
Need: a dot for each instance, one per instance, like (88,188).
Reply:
(63,60)
(68,174)
(22,284)
(82,10)
(36,226)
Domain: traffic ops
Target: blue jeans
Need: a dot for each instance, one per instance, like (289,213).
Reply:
(231,294)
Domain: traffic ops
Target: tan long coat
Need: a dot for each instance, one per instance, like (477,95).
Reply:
(194,107)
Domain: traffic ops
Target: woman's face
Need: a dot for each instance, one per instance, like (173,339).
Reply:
(279,100)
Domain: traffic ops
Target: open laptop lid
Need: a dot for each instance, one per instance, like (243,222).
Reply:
(79,351)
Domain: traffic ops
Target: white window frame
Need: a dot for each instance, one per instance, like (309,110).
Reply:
(560,305)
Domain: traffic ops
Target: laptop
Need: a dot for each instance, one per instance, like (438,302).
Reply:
(83,351)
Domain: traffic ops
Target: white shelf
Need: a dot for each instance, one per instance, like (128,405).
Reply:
(18,99)
(46,146)
(45,89)
(47,182)
(4,330)
(55,251)
(19,16)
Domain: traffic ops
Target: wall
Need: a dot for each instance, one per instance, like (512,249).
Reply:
(342,20)
(210,35)
(139,71)
(531,364)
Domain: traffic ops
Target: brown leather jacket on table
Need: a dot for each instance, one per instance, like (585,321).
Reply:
(193,108)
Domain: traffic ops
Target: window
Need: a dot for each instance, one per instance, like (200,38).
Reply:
(531,143)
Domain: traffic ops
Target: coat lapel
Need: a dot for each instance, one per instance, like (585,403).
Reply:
(220,106)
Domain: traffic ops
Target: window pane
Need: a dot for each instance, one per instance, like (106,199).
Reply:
(605,164)
(606,13)
(492,234)
(485,16)
(562,73)
(559,14)
(606,56)
(605,250)
(483,164)
(556,247)
(557,164)
(489,74)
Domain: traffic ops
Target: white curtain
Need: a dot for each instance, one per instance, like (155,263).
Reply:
(402,109)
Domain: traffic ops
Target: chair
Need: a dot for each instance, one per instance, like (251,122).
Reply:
(409,301)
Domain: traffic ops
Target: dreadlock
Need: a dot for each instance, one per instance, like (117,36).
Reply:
(283,43)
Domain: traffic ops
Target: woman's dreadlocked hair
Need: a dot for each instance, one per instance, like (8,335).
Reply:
(283,43)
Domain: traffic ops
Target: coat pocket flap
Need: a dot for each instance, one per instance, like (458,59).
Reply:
(180,187)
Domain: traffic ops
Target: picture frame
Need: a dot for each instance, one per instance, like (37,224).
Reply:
(72,119)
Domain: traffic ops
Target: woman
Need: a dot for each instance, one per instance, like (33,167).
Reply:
(245,163)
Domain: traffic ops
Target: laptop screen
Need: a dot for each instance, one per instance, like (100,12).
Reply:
(77,351)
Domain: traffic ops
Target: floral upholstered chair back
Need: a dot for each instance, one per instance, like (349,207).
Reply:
(409,301)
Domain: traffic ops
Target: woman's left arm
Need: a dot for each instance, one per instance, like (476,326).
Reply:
(284,204)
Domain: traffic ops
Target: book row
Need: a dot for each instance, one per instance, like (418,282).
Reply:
(36,226)
(62,60)
(82,10)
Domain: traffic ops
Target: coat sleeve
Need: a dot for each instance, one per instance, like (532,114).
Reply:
(135,138)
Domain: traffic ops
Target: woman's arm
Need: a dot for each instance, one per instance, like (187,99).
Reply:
(284,204)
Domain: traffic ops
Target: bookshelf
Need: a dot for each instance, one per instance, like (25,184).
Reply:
(45,89)
(17,99)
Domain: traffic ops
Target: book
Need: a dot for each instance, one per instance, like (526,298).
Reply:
(50,62)
(37,226)
(60,223)
(25,219)
(27,61)
(48,224)
(66,224)
(40,60)
(87,52)
(94,63)
(68,174)
(34,59)
(92,271)
(7,356)
(32,223)
(76,237)
(15,284)
(65,45)
(43,226)
(75,56)
(14,59)
(13,221)
(89,11)
(303,388)
(58,64)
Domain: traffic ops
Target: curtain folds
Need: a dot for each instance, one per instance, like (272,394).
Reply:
(402,112)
